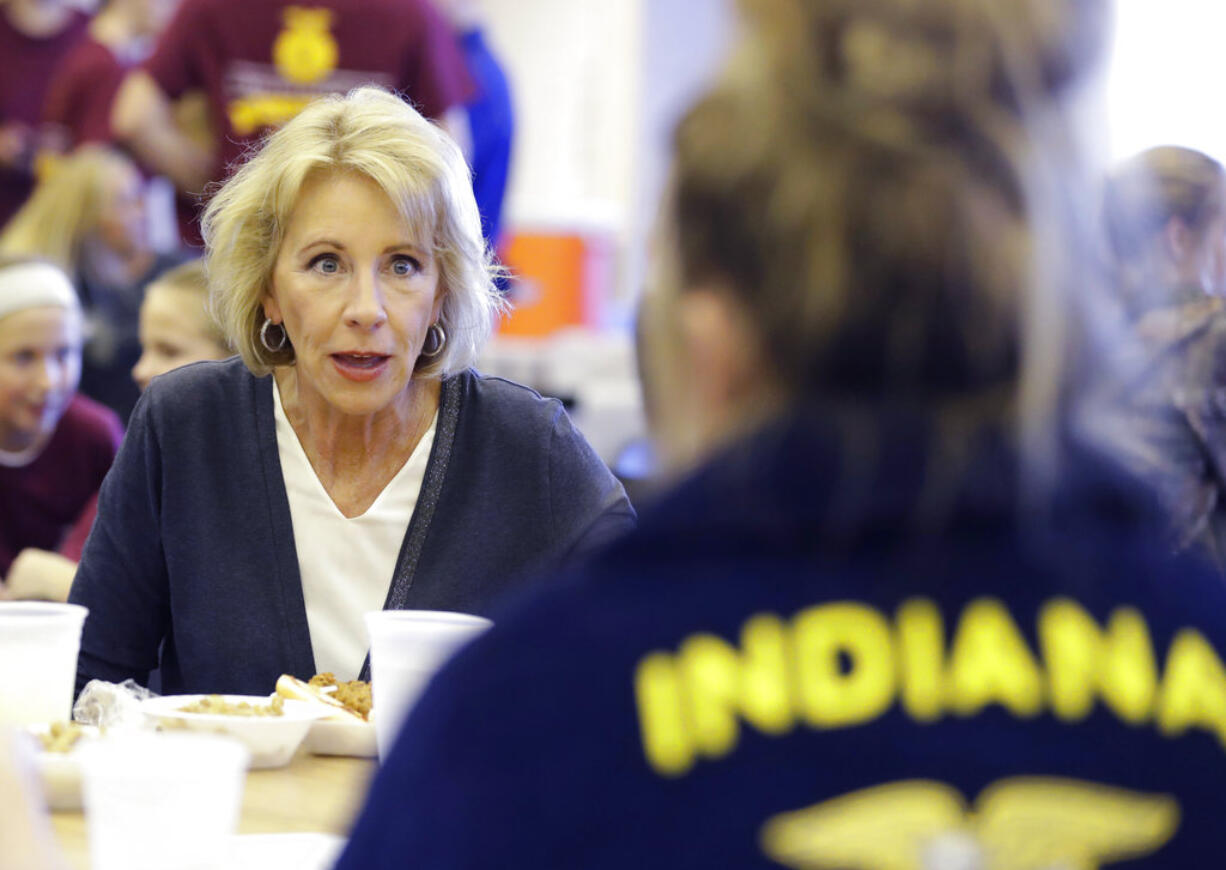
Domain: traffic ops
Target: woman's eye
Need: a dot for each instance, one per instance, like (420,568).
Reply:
(405,266)
(326,263)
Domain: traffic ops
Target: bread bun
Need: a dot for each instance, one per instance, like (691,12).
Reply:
(295,689)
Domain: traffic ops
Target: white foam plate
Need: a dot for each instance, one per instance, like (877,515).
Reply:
(340,737)
(273,740)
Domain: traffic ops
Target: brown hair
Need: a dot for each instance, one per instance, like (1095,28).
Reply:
(879,182)
(1141,197)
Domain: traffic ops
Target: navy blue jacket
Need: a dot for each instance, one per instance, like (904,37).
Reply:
(193,550)
(845,645)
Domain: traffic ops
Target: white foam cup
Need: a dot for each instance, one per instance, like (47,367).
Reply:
(407,647)
(39,642)
(158,801)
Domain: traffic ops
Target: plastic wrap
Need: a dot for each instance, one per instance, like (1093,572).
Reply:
(111,705)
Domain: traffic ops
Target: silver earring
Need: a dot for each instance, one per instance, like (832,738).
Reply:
(269,346)
(436,339)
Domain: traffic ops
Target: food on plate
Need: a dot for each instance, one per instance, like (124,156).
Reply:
(344,699)
(61,737)
(219,706)
(354,694)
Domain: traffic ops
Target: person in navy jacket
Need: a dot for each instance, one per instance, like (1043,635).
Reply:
(900,610)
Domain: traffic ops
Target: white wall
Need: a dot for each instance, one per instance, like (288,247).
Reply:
(575,82)
(598,85)
(1165,82)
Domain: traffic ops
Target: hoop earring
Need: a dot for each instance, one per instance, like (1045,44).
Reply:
(268,346)
(436,340)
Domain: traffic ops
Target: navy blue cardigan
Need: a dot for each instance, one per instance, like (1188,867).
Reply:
(193,550)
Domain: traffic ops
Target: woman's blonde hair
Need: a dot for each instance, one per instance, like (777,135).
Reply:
(372,132)
(65,207)
(1140,198)
(888,188)
(191,278)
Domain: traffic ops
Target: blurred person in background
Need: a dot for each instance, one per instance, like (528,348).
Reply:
(491,118)
(903,611)
(261,62)
(350,460)
(1165,216)
(55,446)
(176,329)
(88,217)
(36,36)
(82,89)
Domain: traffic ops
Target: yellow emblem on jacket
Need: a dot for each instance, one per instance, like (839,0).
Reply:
(1021,823)
(305,52)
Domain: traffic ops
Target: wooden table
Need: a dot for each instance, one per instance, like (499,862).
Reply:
(311,793)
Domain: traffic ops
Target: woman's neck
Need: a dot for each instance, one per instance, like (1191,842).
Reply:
(356,456)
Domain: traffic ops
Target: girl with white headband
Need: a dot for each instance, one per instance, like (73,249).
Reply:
(55,446)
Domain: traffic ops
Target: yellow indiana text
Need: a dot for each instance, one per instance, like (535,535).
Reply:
(843,664)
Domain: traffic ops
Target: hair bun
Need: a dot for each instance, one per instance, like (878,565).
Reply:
(953,54)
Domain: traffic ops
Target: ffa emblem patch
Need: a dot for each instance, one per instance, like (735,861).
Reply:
(305,51)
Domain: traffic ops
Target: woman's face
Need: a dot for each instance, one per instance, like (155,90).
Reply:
(174,331)
(356,291)
(40,365)
(122,221)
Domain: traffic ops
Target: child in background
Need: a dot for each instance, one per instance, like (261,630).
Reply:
(175,325)
(175,329)
(55,446)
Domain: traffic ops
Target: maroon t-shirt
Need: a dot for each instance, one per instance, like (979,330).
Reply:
(261,61)
(26,67)
(82,90)
(41,502)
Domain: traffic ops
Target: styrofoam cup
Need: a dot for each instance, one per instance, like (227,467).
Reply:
(162,801)
(39,642)
(407,647)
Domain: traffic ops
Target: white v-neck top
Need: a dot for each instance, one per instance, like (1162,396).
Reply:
(346,564)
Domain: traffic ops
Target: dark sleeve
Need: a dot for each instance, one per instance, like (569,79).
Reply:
(588,506)
(122,575)
(172,64)
(436,77)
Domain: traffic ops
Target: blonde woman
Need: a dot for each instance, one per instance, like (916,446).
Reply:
(349,460)
(88,216)
(901,614)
